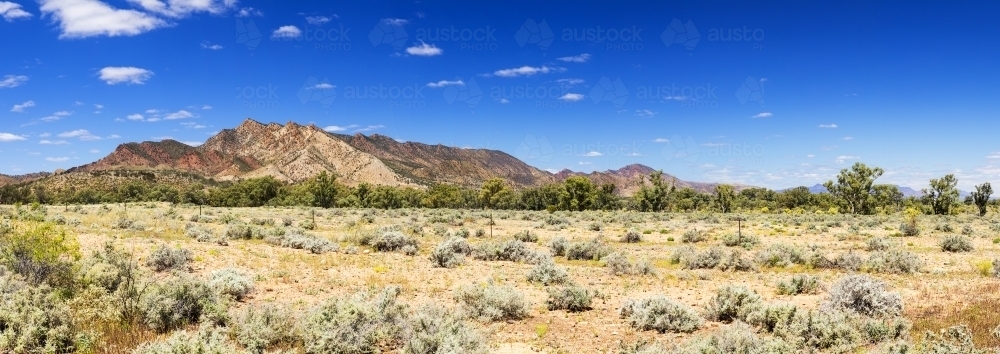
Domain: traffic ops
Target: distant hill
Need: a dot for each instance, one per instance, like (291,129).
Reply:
(5,179)
(907,191)
(627,179)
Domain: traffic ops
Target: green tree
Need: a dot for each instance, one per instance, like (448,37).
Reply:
(491,192)
(854,187)
(654,196)
(724,195)
(942,195)
(886,195)
(604,197)
(982,196)
(577,194)
(323,188)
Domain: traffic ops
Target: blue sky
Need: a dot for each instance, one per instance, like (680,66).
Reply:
(775,95)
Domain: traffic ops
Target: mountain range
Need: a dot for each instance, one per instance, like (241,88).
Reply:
(293,153)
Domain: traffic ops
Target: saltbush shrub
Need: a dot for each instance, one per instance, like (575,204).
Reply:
(434,330)
(175,303)
(33,319)
(894,261)
(732,303)
(799,284)
(745,241)
(865,295)
(594,249)
(632,236)
(693,236)
(660,314)
(572,298)
(166,258)
(558,246)
(548,273)
(492,302)
(231,282)
(511,251)
(526,236)
(451,252)
(356,324)
(207,340)
(956,243)
(262,328)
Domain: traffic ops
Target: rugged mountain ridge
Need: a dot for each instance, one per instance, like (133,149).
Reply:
(628,179)
(6,179)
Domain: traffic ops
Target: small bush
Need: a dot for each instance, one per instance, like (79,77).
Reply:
(706,259)
(594,249)
(492,302)
(632,236)
(357,324)
(594,227)
(693,236)
(207,340)
(967,230)
(511,251)
(526,236)
(262,328)
(799,284)
(956,244)
(571,298)
(33,319)
(231,282)
(558,246)
(392,241)
(738,338)
(864,295)
(548,273)
(295,239)
(451,252)
(307,225)
(286,222)
(617,264)
(745,241)
(175,303)
(780,255)
(909,229)
(166,258)
(732,303)
(660,314)
(996,269)
(239,231)
(435,330)
(894,261)
(878,244)
(956,339)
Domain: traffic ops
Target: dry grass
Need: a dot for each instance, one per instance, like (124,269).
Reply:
(974,305)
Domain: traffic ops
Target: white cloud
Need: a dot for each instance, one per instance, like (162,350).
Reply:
(676,98)
(95,151)
(585,163)
(593,154)
(828,126)
(88,18)
(571,97)
(323,86)
(8,137)
(56,159)
(137,117)
(644,113)
(12,81)
(842,158)
(206,107)
(993,155)
(12,11)
(287,32)
(526,71)
(317,20)
(661,140)
(582,58)
(184,8)
(74,133)
(763,115)
(114,136)
(20,107)
(444,83)
(209,45)
(152,111)
(49,142)
(114,75)
(181,114)
(570,82)
(848,138)
(504,101)
(424,50)
(810,156)
(370,128)
(249,11)
(56,116)
(395,21)
(162,137)
(192,143)
(335,128)
(98,106)
(44,135)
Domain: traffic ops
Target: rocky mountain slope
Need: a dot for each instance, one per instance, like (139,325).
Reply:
(628,178)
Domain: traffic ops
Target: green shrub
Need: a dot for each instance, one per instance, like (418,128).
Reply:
(693,236)
(175,303)
(865,295)
(632,236)
(239,231)
(307,225)
(780,255)
(296,239)
(231,282)
(434,330)
(558,246)
(732,303)
(41,253)
(392,241)
(166,258)
(745,241)
(526,236)
(207,340)
(738,338)
(956,339)
(512,251)
(264,327)
(357,324)
(33,319)
(571,298)
(451,252)
(660,314)
(956,243)
(878,244)
(595,249)
(799,284)
(492,302)
(548,273)
(909,229)
(894,261)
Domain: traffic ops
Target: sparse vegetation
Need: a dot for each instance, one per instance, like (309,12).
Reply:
(660,314)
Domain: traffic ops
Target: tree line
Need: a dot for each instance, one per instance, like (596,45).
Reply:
(853,192)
